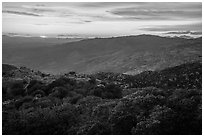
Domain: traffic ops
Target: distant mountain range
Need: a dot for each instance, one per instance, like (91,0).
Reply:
(27,41)
(129,54)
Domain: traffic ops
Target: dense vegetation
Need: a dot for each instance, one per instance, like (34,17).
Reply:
(160,102)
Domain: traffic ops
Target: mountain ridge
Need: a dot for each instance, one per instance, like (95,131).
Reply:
(119,54)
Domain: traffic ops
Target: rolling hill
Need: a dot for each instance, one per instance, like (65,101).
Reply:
(129,54)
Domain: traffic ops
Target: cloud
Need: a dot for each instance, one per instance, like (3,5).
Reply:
(38,8)
(154,14)
(40,5)
(80,21)
(179,32)
(185,32)
(87,21)
(41,10)
(114,11)
(196,33)
(175,28)
(160,11)
(20,13)
(105,4)
(41,24)
(103,18)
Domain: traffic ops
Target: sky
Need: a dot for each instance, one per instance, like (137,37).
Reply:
(101,19)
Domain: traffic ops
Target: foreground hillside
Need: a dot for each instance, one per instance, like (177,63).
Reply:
(161,102)
(134,53)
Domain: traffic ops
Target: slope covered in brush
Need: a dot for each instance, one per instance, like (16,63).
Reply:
(151,103)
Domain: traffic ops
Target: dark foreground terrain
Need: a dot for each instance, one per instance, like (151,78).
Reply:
(162,102)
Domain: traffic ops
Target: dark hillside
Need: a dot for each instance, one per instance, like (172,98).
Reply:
(165,102)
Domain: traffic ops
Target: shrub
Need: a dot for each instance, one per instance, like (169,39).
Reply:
(34,85)
(16,88)
(72,73)
(47,102)
(44,121)
(23,100)
(81,91)
(59,92)
(132,109)
(87,104)
(123,117)
(97,91)
(4,93)
(92,81)
(61,82)
(94,128)
(160,121)
(186,104)
(112,91)
(74,99)
(12,124)
(40,92)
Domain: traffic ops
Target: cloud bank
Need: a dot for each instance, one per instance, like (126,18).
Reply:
(101,18)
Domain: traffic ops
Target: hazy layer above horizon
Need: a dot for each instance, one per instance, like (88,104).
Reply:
(101,19)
